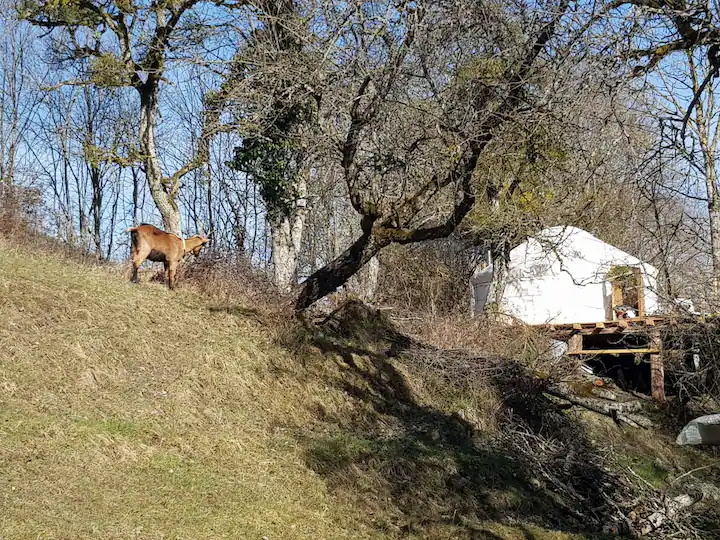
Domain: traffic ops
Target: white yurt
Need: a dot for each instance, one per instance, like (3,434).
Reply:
(567,275)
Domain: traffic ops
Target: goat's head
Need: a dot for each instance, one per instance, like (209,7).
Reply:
(195,244)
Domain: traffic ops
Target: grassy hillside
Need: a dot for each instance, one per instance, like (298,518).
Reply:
(132,412)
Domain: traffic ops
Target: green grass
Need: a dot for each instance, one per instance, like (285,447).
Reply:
(133,412)
(129,411)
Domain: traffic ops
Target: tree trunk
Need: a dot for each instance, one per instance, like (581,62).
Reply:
(84,228)
(163,193)
(69,226)
(336,273)
(211,215)
(96,210)
(113,219)
(12,152)
(136,188)
(370,279)
(364,283)
(713,198)
(500,266)
(704,116)
(714,211)
(286,236)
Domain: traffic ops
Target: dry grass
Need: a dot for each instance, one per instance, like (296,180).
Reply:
(482,336)
(133,412)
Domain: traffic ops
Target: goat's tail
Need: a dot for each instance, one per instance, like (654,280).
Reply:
(133,236)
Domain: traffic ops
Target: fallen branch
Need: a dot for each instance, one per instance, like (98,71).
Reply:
(640,395)
(604,394)
(617,411)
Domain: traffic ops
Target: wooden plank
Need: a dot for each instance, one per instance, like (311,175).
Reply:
(599,327)
(575,344)
(610,327)
(617,297)
(657,369)
(640,284)
(613,351)
(611,330)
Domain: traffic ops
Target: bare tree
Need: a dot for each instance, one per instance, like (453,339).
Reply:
(685,159)
(131,45)
(424,83)
(274,108)
(99,129)
(20,95)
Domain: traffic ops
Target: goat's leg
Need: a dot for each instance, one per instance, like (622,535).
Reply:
(172,275)
(136,262)
(138,257)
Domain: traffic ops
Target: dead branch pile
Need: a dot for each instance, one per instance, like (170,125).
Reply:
(618,411)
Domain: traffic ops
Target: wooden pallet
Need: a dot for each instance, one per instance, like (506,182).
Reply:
(620,326)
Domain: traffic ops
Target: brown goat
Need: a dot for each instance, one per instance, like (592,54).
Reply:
(149,242)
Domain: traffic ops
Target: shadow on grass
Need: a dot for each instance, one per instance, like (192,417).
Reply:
(423,473)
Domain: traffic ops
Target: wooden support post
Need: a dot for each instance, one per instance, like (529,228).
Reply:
(657,370)
(640,284)
(575,344)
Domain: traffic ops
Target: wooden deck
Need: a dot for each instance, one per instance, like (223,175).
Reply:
(574,334)
(620,326)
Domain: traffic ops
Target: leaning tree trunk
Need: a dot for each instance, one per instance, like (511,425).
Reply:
(286,236)
(160,188)
(336,273)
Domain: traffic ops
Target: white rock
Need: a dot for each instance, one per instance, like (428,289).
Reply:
(703,430)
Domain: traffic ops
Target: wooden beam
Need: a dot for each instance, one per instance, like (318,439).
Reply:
(575,343)
(640,284)
(612,351)
(598,328)
(577,326)
(611,328)
(657,369)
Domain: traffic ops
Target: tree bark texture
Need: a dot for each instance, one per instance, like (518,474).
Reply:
(163,191)
(286,232)
(500,266)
